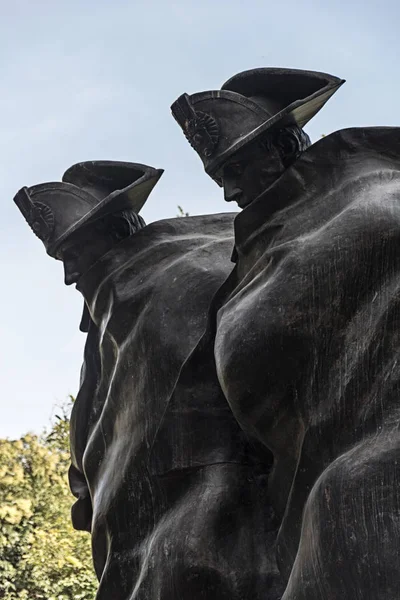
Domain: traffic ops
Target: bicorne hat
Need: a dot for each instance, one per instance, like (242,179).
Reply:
(218,123)
(88,191)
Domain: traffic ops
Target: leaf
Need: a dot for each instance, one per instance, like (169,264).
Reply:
(41,555)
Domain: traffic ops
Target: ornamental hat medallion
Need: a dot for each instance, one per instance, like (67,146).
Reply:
(200,129)
(218,123)
(41,220)
(89,191)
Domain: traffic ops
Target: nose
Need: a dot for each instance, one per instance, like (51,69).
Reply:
(234,196)
(231,191)
(71,273)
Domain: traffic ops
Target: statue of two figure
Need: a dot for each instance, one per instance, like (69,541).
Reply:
(236,432)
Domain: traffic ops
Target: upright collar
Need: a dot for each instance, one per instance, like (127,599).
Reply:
(145,254)
(95,279)
(331,161)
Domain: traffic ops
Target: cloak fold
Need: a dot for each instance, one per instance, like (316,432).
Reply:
(306,333)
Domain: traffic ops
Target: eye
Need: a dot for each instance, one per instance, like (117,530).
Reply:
(70,253)
(235,169)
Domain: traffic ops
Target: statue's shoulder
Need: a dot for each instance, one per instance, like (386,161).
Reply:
(219,225)
(360,164)
(163,243)
(384,141)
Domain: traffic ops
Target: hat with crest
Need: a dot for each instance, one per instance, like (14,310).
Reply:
(218,123)
(88,191)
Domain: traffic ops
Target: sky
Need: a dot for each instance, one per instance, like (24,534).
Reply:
(88,80)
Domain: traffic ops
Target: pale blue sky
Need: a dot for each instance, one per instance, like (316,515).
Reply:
(94,80)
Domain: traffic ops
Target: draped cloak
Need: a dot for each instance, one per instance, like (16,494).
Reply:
(306,338)
(177,536)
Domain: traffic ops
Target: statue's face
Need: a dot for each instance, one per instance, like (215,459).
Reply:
(249,172)
(81,251)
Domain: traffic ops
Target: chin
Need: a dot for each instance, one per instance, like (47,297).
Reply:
(72,279)
(243,202)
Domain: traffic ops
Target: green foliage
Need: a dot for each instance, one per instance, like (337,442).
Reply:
(181,212)
(41,555)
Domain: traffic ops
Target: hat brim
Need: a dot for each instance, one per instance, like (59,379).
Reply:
(131,198)
(298,113)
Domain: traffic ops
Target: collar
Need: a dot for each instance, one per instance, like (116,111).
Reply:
(321,168)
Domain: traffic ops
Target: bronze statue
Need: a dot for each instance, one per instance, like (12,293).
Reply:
(200,531)
(306,328)
(236,433)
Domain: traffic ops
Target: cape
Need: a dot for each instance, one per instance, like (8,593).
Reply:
(306,338)
(148,301)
